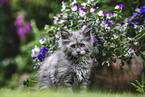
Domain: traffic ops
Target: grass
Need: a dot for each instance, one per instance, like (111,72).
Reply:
(16,93)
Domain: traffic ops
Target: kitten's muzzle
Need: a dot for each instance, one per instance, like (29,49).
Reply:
(80,52)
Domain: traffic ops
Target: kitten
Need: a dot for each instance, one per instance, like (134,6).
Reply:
(71,66)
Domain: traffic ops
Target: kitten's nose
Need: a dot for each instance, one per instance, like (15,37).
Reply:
(78,50)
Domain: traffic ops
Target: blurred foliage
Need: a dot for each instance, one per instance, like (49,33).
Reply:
(15,54)
(16,63)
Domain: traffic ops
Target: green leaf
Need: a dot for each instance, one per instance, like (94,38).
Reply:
(138,83)
(140,90)
(144,53)
(134,85)
(143,79)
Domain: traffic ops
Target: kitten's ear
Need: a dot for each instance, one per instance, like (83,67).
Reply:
(87,31)
(64,33)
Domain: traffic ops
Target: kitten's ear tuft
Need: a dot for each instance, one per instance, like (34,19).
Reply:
(87,30)
(64,33)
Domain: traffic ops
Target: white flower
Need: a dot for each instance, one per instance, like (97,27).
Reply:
(84,4)
(100,13)
(82,13)
(129,38)
(74,2)
(65,15)
(140,29)
(63,6)
(103,24)
(75,8)
(97,20)
(57,36)
(84,26)
(46,27)
(89,1)
(117,6)
(136,43)
(42,40)
(35,49)
(61,21)
(115,36)
(115,15)
(131,51)
(55,20)
(93,9)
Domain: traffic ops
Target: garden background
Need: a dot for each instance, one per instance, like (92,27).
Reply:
(17,41)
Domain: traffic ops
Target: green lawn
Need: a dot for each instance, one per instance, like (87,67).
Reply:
(15,93)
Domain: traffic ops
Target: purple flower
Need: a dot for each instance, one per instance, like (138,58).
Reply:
(54,38)
(142,9)
(37,66)
(82,18)
(121,24)
(84,10)
(27,27)
(59,15)
(22,27)
(63,1)
(95,41)
(121,5)
(94,34)
(21,31)
(55,20)
(85,24)
(131,47)
(104,13)
(4,1)
(33,56)
(44,50)
(41,57)
(111,23)
(25,83)
(42,38)
(110,14)
(19,21)
(131,24)
(138,44)
(106,21)
(134,15)
(93,9)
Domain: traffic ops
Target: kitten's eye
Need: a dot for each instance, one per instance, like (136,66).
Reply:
(73,46)
(82,45)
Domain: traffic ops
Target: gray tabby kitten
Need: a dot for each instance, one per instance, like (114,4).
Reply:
(71,66)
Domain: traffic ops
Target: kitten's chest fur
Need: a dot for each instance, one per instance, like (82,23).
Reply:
(58,69)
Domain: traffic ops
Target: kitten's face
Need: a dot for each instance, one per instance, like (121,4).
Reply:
(77,43)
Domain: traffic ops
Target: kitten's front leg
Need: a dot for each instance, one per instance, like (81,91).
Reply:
(84,86)
(68,84)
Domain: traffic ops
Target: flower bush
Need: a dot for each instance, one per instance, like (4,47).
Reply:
(114,37)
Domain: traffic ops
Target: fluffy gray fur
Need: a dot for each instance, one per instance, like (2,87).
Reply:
(71,66)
